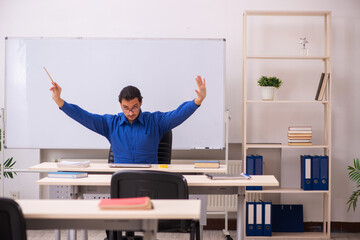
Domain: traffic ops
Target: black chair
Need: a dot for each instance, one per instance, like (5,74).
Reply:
(156,185)
(12,221)
(164,150)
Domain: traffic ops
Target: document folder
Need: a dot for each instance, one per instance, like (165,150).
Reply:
(267,218)
(259,226)
(250,159)
(324,173)
(315,173)
(258,166)
(287,218)
(250,226)
(305,172)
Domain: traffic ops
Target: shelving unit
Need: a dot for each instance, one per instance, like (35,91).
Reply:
(250,101)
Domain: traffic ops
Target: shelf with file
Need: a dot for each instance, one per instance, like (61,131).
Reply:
(292,235)
(273,54)
(286,190)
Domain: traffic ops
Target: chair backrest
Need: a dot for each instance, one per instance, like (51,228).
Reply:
(156,185)
(12,221)
(164,150)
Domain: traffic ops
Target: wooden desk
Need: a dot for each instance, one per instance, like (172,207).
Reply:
(198,184)
(104,168)
(65,214)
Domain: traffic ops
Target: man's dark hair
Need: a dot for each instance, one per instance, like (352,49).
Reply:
(129,93)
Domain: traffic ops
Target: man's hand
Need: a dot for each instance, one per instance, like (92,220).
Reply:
(201,92)
(56,92)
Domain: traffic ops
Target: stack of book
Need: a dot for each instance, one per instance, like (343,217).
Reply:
(139,203)
(300,135)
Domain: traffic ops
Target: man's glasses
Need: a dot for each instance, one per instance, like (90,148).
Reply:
(133,109)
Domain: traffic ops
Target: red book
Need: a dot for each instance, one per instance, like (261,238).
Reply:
(126,203)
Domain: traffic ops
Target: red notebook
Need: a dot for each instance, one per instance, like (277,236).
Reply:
(142,203)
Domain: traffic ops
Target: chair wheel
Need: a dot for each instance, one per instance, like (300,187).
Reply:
(228,237)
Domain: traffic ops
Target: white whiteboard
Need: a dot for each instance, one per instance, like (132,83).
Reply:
(93,71)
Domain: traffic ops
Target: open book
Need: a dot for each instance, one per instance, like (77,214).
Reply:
(139,203)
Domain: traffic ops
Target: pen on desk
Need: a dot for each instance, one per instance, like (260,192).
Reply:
(52,81)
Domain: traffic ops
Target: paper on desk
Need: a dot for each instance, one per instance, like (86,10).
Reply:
(79,164)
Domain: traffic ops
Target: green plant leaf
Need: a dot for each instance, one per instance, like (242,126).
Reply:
(265,81)
(8,164)
(353,199)
(354,172)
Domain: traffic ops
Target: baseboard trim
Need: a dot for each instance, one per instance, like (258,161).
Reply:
(338,227)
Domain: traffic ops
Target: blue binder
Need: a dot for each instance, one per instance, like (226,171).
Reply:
(250,164)
(250,217)
(259,225)
(315,172)
(267,218)
(324,173)
(305,176)
(258,168)
(287,218)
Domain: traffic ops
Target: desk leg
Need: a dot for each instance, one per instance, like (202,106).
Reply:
(240,214)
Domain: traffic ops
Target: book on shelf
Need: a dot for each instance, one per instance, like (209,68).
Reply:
(300,128)
(299,140)
(299,137)
(322,86)
(67,174)
(319,86)
(300,143)
(74,164)
(136,203)
(207,164)
(299,131)
(299,134)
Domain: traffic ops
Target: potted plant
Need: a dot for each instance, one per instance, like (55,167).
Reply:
(268,85)
(354,175)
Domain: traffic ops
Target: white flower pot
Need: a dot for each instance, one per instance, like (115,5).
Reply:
(267,93)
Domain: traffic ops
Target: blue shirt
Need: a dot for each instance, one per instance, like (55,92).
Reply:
(135,142)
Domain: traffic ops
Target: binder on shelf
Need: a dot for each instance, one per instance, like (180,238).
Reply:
(258,166)
(267,218)
(250,217)
(287,218)
(305,176)
(324,172)
(259,225)
(315,172)
(250,159)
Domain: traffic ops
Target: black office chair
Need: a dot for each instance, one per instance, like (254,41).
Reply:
(12,221)
(164,150)
(156,185)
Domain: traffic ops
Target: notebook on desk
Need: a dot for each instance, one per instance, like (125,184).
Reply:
(128,165)
(226,176)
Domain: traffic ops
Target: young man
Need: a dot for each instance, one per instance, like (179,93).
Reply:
(134,135)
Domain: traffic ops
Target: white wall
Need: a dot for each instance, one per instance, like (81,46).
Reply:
(208,19)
